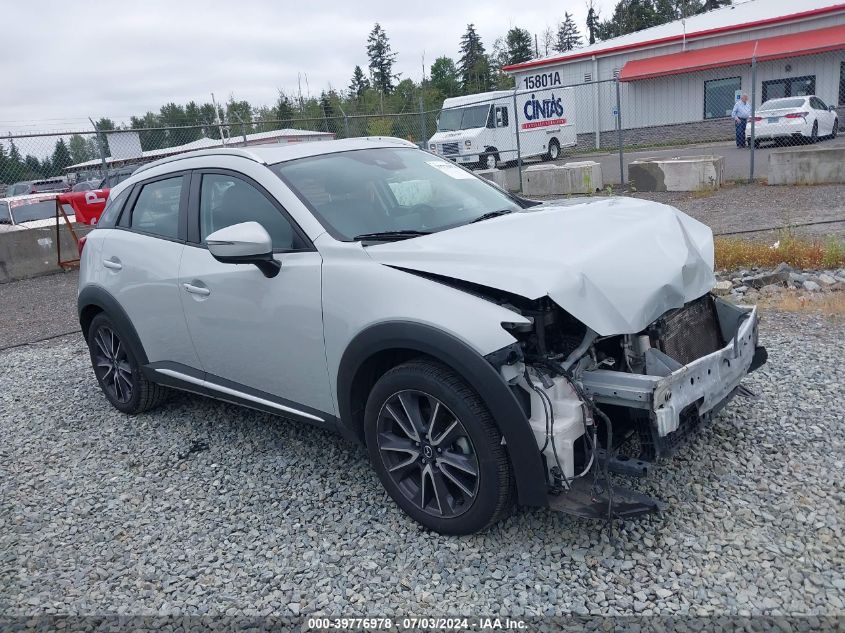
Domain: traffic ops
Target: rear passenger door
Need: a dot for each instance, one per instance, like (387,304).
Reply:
(140,260)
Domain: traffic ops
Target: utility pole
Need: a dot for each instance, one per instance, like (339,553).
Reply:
(219,123)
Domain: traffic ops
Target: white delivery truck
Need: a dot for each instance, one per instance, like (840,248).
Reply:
(480,129)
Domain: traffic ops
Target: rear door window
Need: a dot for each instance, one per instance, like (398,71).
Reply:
(156,210)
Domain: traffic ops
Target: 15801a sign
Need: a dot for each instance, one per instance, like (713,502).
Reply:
(541,80)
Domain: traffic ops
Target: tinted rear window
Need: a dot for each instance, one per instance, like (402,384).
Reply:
(779,104)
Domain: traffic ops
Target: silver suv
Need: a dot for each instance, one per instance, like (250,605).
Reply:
(486,349)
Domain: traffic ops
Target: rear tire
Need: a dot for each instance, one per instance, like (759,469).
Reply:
(554,150)
(117,370)
(436,449)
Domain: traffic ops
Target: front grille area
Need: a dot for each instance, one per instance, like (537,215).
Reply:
(449,148)
(690,332)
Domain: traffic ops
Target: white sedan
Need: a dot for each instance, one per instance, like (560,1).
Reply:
(794,119)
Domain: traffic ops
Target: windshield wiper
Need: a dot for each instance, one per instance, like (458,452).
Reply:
(391,235)
(491,214)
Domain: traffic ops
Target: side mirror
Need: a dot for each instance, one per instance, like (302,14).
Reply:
(832,108)
(244,243)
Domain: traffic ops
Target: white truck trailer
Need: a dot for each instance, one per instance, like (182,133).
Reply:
(480,129)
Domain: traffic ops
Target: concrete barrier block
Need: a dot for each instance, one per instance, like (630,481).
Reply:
(32,252)
(687,173)
(582,177)
(498,176)
(809,166)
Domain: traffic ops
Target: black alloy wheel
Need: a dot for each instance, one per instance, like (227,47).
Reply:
(428,453)
(112,365)
(437,449)
(117,370)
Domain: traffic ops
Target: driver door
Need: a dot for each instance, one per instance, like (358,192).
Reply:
(258,336)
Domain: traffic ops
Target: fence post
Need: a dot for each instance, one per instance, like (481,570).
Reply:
(753,111)
(518,148)
(100,138)
(423,131)
(619,132)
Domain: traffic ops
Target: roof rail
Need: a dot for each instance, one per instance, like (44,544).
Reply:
(233,151)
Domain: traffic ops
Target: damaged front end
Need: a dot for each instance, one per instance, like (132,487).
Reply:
(617,404)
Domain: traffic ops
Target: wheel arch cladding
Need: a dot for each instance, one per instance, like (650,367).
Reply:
(385,345)
(92,301)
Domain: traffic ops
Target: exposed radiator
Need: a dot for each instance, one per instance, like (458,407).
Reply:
(691,332)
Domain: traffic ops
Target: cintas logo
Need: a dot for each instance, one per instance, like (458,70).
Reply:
(542,113)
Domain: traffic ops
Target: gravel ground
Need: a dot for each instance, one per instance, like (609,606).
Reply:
(100,514)
(739,207)
(37,308)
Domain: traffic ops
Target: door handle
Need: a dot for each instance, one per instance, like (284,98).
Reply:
(113,264)
(196,290)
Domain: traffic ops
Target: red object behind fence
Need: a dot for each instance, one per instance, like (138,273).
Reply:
(87,205)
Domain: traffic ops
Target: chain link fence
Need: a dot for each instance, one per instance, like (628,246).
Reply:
(612,119)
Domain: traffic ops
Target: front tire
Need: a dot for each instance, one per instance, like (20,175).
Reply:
(436,449)
(117,370)
(835,129)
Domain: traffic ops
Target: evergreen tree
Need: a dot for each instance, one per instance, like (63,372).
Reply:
(592,22)
(79,149)
(709,5)
(519,45)
(359,84)
(568,36)
(381,60)
(105,124)
(473,66)
(14,154)
(444,77)
(283,110)
(61,158)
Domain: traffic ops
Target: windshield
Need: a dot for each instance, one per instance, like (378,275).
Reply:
(35,210)
(463,118)
(378,190)
(780,104)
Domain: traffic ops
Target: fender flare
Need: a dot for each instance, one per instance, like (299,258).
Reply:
(103,299)
(507,413)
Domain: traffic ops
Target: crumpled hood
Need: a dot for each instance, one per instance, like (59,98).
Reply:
(615,264)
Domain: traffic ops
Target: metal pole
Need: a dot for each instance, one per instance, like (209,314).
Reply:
(219,123)
(423,131)
(518,148)
(753,110)
(619,132)
(103,163)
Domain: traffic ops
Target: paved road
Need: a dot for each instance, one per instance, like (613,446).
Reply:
(737,161)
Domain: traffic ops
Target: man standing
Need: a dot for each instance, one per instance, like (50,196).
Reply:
(740,114)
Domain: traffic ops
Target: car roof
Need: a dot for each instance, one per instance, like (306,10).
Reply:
(271,154)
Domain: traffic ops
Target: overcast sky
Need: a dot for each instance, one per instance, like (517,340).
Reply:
(66,61)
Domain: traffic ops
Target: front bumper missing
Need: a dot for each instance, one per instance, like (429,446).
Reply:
(669,388)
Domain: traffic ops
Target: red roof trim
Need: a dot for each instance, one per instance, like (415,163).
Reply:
(675,38)
(813,42)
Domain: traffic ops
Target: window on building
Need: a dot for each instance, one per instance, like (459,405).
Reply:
(789,87)
(720,96)
(842,84)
